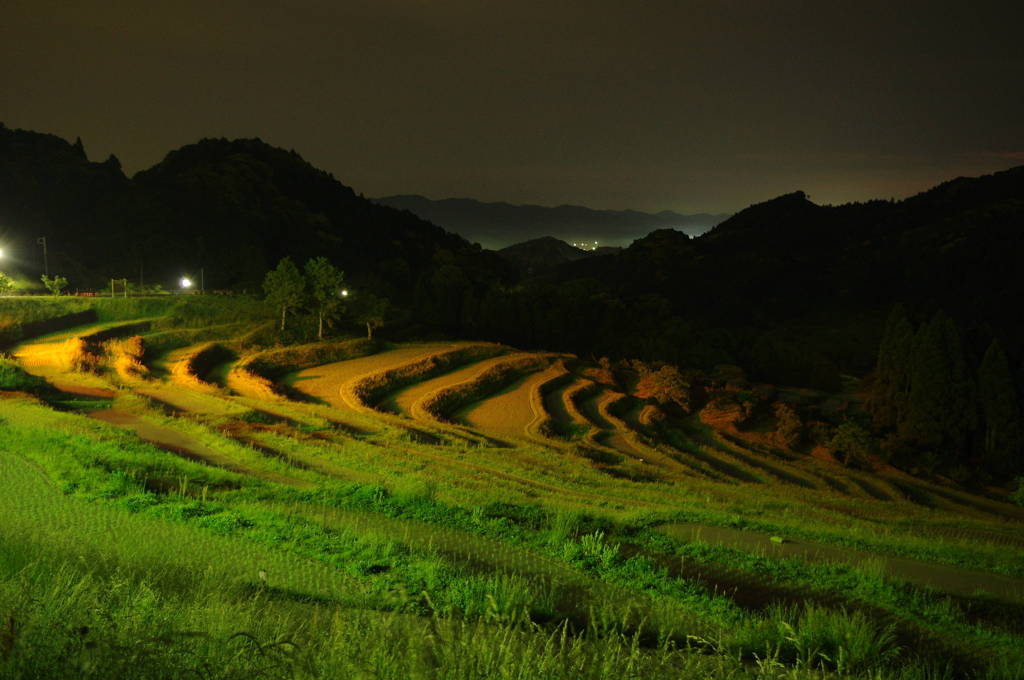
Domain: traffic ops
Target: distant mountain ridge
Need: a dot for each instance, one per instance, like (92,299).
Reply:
(497,225)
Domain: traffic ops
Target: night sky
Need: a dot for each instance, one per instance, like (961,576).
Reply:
(689,106)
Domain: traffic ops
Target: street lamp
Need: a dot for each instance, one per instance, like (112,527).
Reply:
(46,261)
(343,292)
(185,282)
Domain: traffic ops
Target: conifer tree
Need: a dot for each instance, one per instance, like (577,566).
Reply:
(941,410)
(1000,408)
(888,404)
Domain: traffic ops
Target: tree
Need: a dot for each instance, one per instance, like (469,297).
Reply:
(888,403)
(371,311)
(1000,408)
(6,284)
(665,385)
(55,285)
(852,442)
(941,408)
(325,289)
(285,287)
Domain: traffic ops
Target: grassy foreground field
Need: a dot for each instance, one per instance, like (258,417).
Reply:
(198,504)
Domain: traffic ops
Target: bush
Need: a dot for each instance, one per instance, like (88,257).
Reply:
(1018,495)
(788,428)
(852,443)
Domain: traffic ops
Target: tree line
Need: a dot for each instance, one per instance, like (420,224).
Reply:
(316,296)
(935,404)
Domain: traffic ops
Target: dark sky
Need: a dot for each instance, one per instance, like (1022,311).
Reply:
(691,106)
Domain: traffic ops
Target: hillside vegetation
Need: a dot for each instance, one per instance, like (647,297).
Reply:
(181,498)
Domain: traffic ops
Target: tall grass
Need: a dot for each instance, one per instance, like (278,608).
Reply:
(405,559)
(817,637)
(14,378)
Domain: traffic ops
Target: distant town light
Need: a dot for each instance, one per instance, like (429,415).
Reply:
(186,282)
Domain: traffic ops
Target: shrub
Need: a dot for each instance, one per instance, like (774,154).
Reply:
(788,428)
(853,443)
(1018,495)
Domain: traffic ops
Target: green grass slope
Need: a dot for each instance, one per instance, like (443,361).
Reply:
(164,529)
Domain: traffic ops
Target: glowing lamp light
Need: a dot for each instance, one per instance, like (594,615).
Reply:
(186,282)
(343,292)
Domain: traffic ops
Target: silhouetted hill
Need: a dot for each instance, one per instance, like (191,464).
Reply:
(497,225)
(232,208)
(240,205)
(797,291)
(542,253)
(48,188)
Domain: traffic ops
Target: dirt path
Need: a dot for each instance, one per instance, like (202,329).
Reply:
(942,577)
(180,444)
(324,382)
(509,412)
(402,400)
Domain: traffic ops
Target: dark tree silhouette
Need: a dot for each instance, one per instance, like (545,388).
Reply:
(324,284)
(1000,408)
(888,402)
(942,409)
(285,288)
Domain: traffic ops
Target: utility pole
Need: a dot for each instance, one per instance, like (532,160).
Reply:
(124,282)
(202,281)
(46,263)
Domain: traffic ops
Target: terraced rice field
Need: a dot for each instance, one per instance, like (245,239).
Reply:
(510,412)
(404,399)
(325,382)
(402,489)
(593,415)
